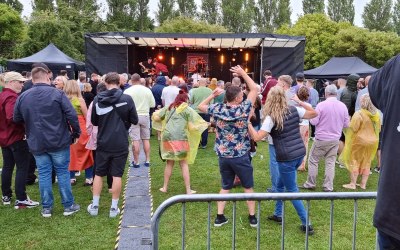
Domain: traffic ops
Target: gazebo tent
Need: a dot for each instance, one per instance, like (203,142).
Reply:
(338,67)
(54,58)
(122,52)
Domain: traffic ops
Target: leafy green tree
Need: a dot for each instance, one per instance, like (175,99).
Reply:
(320,33)
(43,5)
(377,15)
(210,11)
(238,15)
(144,23)
(187,8)
(341,10)
(122,14)
(44,28)
(264,15)
(182,24)
(165,11)
(15,4)
(313,6)
(12,30)
(396,17)
(380,47)
(351,41)
(282,14)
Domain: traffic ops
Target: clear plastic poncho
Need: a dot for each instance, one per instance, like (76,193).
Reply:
(181,130)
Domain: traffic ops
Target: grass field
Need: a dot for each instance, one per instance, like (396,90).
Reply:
(26,229)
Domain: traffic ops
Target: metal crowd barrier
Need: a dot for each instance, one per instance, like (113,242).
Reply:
(183,199)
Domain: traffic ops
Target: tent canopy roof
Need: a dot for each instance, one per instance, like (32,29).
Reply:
(185,40)
(49,55)
(341,66)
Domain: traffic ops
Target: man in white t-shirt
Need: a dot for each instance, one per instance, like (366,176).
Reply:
(169,93)
(196,77)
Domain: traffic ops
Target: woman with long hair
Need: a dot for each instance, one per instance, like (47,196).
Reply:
(81,158)
(181,129)
(362,138)
(60,82)
(282,123)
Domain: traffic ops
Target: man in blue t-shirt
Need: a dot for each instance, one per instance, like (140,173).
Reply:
(232,142)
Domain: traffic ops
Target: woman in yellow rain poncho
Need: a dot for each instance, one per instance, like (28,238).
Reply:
(362,139)
(181,129)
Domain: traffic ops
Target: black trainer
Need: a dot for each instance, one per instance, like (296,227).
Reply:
(220,220)
(253,221)
(310,229)
(275,218)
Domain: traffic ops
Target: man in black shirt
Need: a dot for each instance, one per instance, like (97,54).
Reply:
(147,67)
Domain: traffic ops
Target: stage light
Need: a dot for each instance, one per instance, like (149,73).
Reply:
(233,59)
(212,39)
(160,57)
(246,58)
(136,38)
(152,48)
(175,38)
(177,48)
(172,60)
(243,39)
(219,49)
(241,50)
(222,59)
(246,69)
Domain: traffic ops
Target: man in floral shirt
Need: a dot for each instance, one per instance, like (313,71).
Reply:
(232,142)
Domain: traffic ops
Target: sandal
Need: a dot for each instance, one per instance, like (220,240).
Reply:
(73,182)
(88,182)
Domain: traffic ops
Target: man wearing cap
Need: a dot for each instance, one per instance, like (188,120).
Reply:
(49,116)
(13,144)
(299,83)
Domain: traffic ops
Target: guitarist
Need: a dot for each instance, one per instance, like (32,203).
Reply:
(147,67)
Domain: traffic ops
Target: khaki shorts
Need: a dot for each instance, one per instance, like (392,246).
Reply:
(141,131)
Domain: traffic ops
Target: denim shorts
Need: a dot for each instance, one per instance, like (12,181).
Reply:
(240,166)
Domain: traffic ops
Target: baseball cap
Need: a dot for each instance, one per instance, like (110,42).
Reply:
(41,65)
(14,76)
(300,76)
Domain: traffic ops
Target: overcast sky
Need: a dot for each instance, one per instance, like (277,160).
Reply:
(296,6)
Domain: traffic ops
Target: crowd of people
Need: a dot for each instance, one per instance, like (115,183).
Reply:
(63,127)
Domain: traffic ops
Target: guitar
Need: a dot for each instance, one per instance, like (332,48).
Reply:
(149,72)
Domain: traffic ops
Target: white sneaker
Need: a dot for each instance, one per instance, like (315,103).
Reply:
(93,210)
(78,173)
(114,212)
(28,203)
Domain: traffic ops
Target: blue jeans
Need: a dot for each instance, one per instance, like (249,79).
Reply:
(387,242)
(273,168)
(287,182)
(204,135)
(88,173)
(58,160)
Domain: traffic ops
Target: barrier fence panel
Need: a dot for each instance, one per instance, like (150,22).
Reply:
(183,199)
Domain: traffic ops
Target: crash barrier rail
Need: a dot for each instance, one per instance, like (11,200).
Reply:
(258,197)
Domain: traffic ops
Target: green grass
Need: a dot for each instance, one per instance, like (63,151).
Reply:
(205,178)
(26,229)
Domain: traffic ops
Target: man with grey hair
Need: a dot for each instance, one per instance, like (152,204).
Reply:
(123,81)
(170,92)
(236,81)
(144,100)
(197,96)
(332,118)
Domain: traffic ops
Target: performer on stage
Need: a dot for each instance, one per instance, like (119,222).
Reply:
(147,67)
(161,69)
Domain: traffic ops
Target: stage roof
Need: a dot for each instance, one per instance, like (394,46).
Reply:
(185,40)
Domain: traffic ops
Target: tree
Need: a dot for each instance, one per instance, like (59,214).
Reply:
(43,5)
(15,4)
(377,15)
(144,23)
(264,15)
(186,8)
(396,17)
(282,14)
(238,15)
(380,47)
(210,11)
(320,33)
(12,30)
(122,14)
(184,24)
(313,6)
(44,28)
(341,10)
(165,10)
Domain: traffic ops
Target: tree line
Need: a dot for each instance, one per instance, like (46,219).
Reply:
(328,29)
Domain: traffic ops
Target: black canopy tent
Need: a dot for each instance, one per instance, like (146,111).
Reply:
(338,67)
(122,52)
(54,58)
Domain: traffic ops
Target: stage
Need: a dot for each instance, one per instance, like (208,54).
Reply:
(181,53)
